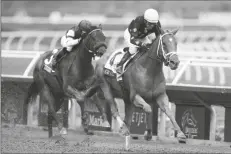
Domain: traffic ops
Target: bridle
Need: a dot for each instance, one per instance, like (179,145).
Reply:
(165,55)
(89,35)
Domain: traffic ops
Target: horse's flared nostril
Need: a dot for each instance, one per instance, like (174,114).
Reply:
(172,62)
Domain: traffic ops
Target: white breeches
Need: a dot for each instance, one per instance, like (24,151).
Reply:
(133,48)
(69,42)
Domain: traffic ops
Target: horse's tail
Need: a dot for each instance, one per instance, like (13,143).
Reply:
(30,94)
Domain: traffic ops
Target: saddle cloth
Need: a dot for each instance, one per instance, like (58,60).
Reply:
(48,60)
(114,59)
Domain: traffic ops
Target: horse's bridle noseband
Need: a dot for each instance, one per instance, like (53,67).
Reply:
(160,43)
(89,34)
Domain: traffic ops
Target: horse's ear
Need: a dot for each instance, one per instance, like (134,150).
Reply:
(100,26)
(175,31)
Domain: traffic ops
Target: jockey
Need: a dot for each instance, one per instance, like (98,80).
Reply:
(72,37)
(138,33)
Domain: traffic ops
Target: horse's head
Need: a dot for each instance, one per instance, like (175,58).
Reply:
(167,49)
(95,41)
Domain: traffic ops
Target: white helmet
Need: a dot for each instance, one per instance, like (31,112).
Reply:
(151,16)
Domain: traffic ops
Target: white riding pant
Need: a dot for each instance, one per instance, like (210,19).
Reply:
(133,48)
(69,42)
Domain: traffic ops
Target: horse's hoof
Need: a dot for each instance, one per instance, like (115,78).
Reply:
(126,133)
(181,135)
(90,133)
(182,140)
(147,136)
(124,130)
(63,131)
(147,108)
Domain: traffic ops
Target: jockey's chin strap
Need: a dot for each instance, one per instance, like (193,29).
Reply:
(89,34)
(165,55)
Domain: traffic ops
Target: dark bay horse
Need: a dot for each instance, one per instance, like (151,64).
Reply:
(73,74)
(144,82)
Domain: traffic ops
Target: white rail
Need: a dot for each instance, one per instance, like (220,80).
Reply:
(186,40)
(216,69)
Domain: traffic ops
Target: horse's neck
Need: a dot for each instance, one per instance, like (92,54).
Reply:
(82,54)
(150,60)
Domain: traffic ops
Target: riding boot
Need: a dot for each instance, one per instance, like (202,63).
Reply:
(123,60)
(56,57)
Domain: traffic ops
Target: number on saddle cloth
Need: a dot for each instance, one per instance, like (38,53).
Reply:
(48,60)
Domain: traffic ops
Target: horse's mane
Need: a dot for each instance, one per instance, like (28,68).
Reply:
(93,27)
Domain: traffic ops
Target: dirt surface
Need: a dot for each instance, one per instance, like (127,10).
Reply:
(33,140)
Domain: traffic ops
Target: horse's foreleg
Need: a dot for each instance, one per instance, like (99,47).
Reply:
(65,113)
(85,119)
(163,101)
(49,99)
(129,108)
(138,101)
(114,109)
(148,132)
(72,92)
(92,90)
(101,106)
(49,124)
(65,116)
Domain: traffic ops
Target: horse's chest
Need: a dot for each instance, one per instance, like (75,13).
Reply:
(146,84)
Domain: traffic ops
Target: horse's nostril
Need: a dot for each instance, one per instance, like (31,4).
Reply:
(172,62)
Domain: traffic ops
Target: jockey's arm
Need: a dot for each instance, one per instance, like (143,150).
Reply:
(157,28)
(71,38)
(134,31)
(154,32)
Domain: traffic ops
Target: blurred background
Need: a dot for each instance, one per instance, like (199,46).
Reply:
(204,35)
(204,29)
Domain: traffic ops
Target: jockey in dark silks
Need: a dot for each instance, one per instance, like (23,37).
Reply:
(72,37)
(140,33)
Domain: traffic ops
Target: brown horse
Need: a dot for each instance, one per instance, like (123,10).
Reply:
(72,75)
(144,82)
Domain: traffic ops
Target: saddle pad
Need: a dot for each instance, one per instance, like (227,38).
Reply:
(113,60)
(48,60)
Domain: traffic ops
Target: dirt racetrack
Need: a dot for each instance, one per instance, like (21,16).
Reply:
(34,140)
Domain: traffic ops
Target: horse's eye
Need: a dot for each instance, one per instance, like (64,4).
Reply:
(165,46)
